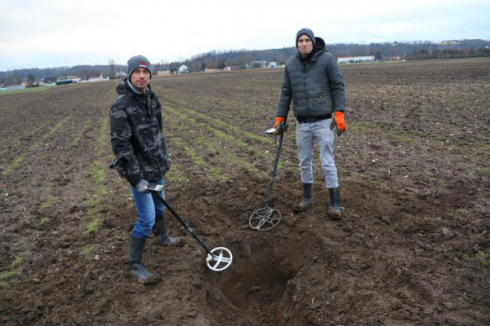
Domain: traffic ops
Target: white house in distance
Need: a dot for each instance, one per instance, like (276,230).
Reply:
(95,77)
(183,69)
(367,58)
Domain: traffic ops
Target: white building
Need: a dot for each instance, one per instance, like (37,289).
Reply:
(183,69)
(367,58)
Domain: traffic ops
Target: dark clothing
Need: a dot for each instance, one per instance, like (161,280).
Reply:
(315,86)
(136,135)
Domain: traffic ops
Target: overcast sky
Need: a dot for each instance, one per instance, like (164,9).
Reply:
(52,33)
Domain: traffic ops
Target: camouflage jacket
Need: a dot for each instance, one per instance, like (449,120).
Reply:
(136,135)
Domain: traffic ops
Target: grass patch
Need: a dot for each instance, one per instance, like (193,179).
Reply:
(17,261)
(50,202)
(445,247)
(4,277)
(176,176)
(43,221)
(7,276)
(88,250)
(401,139)
(479,257)
(24,90)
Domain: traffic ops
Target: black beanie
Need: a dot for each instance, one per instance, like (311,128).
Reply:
(138,61)
(309,33)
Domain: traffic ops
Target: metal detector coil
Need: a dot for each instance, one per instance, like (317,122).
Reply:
(219,258)
(264,219)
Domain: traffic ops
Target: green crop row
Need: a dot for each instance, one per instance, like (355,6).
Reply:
(80,133)
(185,128)
(11,273)
(192,124)
(196,159)
(16,142)
(218,133)
(98,181)
(36,144)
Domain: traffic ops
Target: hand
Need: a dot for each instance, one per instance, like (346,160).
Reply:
(142,186)
(339,120)
(278,125)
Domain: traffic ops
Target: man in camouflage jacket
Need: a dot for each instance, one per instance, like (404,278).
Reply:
(141,157)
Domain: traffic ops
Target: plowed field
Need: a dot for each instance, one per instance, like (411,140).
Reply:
(413,247)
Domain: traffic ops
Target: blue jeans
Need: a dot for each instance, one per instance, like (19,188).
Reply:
(147,206)
(306,133)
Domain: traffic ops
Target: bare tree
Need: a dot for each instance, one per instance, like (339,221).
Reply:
(112,69)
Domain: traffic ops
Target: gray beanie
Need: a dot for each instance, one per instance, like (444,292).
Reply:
(138,61)
(309,33)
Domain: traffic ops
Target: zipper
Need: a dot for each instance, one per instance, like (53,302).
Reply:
(306,91)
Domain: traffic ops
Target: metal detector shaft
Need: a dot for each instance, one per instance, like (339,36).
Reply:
(278,153)
(183,223)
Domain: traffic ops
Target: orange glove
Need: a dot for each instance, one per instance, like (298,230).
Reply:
(278,121)
(339,120)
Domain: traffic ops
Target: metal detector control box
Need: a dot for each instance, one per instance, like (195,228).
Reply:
(155,187)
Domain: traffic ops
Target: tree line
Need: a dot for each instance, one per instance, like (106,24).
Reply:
(221,59)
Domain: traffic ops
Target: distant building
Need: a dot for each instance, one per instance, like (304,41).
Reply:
(211,68)
(163,72)
(95,77)
(367,58)
(65,80)
(234,68)
(258,64)
(272,64)
(183,69)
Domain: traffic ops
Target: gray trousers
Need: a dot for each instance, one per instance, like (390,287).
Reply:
(305,134)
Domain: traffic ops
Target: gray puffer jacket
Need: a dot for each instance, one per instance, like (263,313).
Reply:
(316,86)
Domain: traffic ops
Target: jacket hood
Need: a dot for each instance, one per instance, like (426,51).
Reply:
(319,48)
(320,44)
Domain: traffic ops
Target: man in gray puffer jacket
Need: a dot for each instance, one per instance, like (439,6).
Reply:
(312,80)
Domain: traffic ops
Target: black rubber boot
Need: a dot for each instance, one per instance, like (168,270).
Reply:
(334,210)
(135,259)
(307,198)
(160,232)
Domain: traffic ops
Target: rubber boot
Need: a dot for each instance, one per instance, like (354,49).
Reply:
(160,232)
(334,209)
(307,198)
(135,259)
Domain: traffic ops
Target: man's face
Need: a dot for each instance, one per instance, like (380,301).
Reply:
(304,45)
(140,78)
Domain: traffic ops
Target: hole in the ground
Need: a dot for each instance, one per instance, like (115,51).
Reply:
(256,284)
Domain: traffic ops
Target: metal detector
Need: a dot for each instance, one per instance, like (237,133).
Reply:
(266,218)
(219,258)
